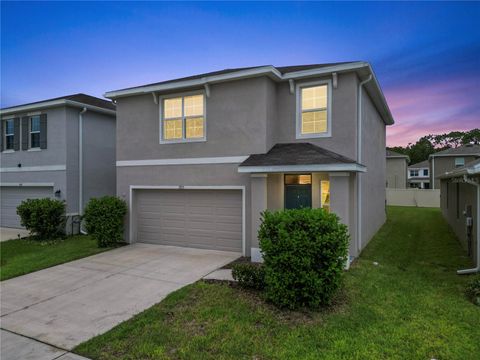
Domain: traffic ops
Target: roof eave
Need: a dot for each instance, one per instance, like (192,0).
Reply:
(54,103)
(337,167)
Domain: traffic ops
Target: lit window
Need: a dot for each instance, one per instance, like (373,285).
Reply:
(313,110)
(35,131)
(298,179)
(459,161)
(325,194)
(9,134)
(184,118)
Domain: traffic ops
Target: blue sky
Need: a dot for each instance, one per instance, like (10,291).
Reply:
(426,55)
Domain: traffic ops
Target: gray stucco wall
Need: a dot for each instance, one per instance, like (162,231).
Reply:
(396,173)
(73,182)
(467,197)
(246,117)
(442,164)
(373,183)
(99,143)
(54,154)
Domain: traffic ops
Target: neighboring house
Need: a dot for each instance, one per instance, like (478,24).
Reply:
(449,159)
(460,204)
(62,148)
(419,175)
(200,158)
(396,170)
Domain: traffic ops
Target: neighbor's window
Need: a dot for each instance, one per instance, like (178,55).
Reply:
(413,172)
(9,134)
(184,118)
(459,161)
(325,194)
(34,131)
(313,110)
(425,172)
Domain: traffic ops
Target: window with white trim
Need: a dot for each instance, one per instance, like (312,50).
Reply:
(183,118)
(459,161)
(425,172)
(313,117)
(413,173)
(9,134)
(34,131)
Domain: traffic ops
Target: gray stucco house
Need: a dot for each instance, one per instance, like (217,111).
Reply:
(460,204)
(199,158)
(449,159)
(419,175)
(62,148)
(397,170)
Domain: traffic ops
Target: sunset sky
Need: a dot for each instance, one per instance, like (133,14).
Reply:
(426,55)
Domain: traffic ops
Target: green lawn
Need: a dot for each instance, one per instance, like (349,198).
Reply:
(22,256)
(410,306)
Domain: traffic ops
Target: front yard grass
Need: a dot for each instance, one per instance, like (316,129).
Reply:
(410,306)
(23,256)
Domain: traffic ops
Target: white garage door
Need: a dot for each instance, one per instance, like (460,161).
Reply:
(206,219)
(12,196)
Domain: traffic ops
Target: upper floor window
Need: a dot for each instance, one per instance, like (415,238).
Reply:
(425,172)
(9,134)
(34,131)
(183,118)
(413,172)
(459,161)
(313,110)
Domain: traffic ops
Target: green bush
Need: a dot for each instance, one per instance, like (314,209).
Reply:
(304,253)
(473,291)
(44,218)
(250,275)
(104,219)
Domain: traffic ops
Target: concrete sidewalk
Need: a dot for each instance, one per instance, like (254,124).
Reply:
(68,304)
(16,347)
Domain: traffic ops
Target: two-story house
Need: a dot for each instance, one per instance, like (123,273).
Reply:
(397,170)
(449,159)
(200,158)
(419,175)
(62,148)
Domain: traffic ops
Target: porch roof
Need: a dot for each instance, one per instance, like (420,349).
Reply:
(293,157)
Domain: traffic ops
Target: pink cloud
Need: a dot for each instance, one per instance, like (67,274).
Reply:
(436,107)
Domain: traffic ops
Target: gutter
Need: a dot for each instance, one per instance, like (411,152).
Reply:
(55,103)
(359,160)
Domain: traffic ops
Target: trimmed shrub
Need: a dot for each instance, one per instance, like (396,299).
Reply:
(43,218)
(104,220)
(304,253)
(473,291)
(251,276)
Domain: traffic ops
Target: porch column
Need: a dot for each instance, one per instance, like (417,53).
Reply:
(341,202)
(258,192)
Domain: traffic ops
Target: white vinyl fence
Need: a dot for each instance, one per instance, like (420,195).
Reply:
(414,197)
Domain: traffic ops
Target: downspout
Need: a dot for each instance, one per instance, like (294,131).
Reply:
(80,165)
(359,160)
(477,268)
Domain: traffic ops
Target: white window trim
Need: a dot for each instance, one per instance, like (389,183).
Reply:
(30,132)
(184,139)
(4,135)
(460,160)
(298,117)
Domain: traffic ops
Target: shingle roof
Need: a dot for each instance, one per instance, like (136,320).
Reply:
(282,69)
(391,153)
(81,98)
(421,164)
(296,154)
(471,149)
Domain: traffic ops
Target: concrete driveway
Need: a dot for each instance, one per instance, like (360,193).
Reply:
(11,233)
(68,304)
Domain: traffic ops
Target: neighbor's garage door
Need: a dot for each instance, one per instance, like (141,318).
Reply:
(207,219)
(12,196)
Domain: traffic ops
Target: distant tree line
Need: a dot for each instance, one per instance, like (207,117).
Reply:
(430,144)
